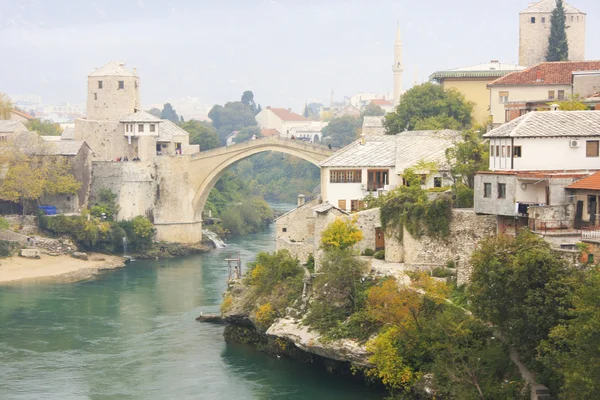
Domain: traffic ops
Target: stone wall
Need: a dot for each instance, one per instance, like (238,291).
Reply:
(300,250)
(25,225)
(368,221)
(542,218)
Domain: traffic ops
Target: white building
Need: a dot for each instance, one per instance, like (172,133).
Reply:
(375,164)
(281,119)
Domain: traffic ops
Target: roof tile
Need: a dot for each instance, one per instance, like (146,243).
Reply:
(547,73)
(550,124)
(591,182)
(287,115)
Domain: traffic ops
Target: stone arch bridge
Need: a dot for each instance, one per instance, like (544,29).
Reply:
(184,186)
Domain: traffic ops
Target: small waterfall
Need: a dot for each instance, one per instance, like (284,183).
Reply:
(124,246)
(219,244)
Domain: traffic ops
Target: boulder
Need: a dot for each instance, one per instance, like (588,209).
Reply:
(80,256)
(30,253)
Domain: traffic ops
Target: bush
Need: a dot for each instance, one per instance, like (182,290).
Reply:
(6,248)
(310,263)
(368,252)
(106,207)
(227,303)
(379,255)
(4,223)
(463,196)
(441,272)
(341,234)
(270,269)
(265,315)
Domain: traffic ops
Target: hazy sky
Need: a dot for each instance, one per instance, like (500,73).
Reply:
(285,51)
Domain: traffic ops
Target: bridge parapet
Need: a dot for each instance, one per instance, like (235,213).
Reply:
(277,141)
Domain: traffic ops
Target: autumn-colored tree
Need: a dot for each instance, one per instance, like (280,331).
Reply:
(341,234)
(6,106)
(31,173)
(573,103)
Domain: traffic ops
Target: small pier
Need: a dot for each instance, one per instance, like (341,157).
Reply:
(234,268)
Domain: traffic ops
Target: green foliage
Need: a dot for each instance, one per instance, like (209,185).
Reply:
(233,116)
(429,106)
(573,103)
(373,110)
(168,112)
(247,133)
(379,255)
(154,111)
(4,223)
(558,45)
(466,158)
(310,263)
(409,207)
(368,252)
(342,131)
(248,100)
(521,286)
(6,248)
(271,268)
(341,234)
(441,272)
(202,133)
(249,216)
(572,350)
(463,196)
(6,106)
(106,206)
(44,128)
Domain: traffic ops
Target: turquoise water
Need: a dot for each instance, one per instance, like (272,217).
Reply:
(131,334)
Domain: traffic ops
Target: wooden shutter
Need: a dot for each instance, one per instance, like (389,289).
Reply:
(342,204)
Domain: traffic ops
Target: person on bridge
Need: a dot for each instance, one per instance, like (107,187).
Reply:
(329,146)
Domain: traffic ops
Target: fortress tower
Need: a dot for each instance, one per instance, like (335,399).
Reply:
(397,68)
(534,30)
(113,93)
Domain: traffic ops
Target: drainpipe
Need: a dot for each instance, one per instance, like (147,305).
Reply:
(512,153)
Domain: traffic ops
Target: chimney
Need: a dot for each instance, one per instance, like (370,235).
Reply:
(597,108)
(363,139)
(301,200)
(121,64)
(554,107)
(135,71)
(539,76)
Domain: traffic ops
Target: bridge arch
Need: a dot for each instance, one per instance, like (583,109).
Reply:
(207,167)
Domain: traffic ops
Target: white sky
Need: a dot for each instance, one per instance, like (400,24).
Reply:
(285,51)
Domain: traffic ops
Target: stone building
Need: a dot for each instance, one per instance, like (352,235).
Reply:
(534,30)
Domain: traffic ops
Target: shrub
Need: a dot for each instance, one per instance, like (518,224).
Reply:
(368,252)
(106,206)
(451,264)
(265,315)
(6,248)
(379,255)
(227,303)
(341,234)
(463,196)
(272,268)
(4,223)
(441,272)
(310,263)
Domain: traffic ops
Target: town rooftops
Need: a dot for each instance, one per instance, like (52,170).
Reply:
(429,146)
(547,73)
(382,102)
(113,68)
(22,114)
(491,70)
(141,116)
(269,132)
(547,6)
(168,130)
(287,115)
(591,182)
(8,126)
(550,124)
(401,151)
(59,147)
(378,151)
(68,134)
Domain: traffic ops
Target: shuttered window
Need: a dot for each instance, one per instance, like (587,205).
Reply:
(591,148)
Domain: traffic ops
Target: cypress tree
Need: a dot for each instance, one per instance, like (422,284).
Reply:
(558,47)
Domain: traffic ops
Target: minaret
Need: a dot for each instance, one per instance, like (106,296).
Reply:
(397,67)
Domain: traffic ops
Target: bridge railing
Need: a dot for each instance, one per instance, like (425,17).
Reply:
(271,140)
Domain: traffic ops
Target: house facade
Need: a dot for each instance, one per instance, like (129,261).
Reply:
(373,165)
(537,87)
(281,119)
(472,82)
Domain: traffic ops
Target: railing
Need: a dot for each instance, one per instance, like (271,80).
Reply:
(593,233)
(549,225)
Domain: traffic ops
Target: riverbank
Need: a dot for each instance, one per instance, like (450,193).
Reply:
(61,268)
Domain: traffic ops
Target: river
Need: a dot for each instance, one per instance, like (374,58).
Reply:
(131,334)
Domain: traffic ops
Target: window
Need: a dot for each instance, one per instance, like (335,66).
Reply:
(95,96)
(342,204)
(503,151)
(152,127)
(3,139)
(284,229)
(503,97)
(572,18)
(121,84)
(506,115)
(491,150)
(591,148)
(345,176)
(377,179)
(497,151)
(126,127)
(508,151)
(501,190)
(543,20)
(561,95)
(550,94)
(99,84)
(487,190)
(140,127)
(437,181)
(356,205)
(533,20)
(517,152)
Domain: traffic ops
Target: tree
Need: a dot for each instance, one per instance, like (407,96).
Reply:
(558,46)
(573,103)
(520,285)
(468,156)
(248,100)
(6,106)
(169,113)
(30,174)
(202,133)
(373,110)
(233,116)
(247,133)
(429,106)
(341,234)
(342,131)
(154,111)
(306,112)
(45,128)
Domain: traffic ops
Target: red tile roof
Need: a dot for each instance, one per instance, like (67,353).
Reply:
(269,132)
(381,102)
(287,115)
(592,182)
(22,114)
(547,73)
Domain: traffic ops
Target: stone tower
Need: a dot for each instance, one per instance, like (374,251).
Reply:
(534,30)
(113,93)
(397,67)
